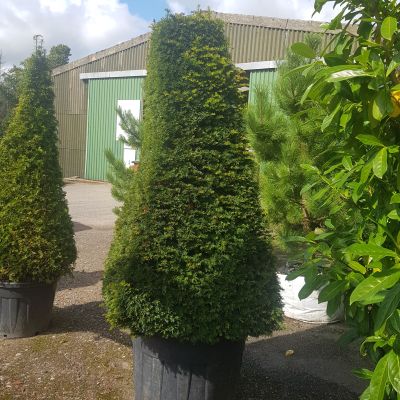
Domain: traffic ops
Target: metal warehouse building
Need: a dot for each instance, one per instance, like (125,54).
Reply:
(89,90)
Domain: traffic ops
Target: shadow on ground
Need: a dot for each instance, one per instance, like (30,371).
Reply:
(78,227)
(79,279)
(88,317)
(318,369)
(280,384)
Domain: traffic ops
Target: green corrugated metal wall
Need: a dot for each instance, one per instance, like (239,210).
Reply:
(250,39)
(103,95)
(261,78)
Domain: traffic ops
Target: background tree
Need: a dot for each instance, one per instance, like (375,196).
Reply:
(11,78)
(285,134)
(59,55)
(9,84)
(36,232)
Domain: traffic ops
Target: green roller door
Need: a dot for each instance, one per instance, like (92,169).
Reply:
(264,77)
(103,96)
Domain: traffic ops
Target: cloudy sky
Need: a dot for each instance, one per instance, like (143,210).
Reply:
(87,26)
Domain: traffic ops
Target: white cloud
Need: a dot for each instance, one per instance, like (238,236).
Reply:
(91,25)
(295,9)
(84,25)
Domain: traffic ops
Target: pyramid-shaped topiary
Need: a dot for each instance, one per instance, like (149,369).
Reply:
(190,258)
(36,234)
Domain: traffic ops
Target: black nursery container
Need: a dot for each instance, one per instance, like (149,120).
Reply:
(25,308)
(170,370)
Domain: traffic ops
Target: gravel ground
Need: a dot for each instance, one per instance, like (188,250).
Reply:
(79,358)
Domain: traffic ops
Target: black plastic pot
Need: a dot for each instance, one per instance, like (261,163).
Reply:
(169,370)
(25,308)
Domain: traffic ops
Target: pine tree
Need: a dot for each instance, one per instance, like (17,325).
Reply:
(119,175)
(36,233)
(285,134)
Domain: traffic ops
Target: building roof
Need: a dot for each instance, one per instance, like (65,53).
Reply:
(229,19)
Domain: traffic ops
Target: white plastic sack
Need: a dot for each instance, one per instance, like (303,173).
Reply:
(307,310)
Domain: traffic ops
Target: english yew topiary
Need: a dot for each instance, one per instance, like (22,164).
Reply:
(36,233)
(190,259)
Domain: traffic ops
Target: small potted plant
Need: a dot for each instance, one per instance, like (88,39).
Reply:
(36,233)
(190,271)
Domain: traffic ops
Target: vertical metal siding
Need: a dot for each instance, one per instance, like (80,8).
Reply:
(101,121)
(71,98)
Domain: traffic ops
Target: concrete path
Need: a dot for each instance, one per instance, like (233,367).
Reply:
(91,204)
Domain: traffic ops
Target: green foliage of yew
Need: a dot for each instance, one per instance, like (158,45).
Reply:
(36,233)
(190,259)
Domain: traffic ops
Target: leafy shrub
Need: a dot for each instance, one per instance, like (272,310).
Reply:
(36,233)
(190,258)
(357,258)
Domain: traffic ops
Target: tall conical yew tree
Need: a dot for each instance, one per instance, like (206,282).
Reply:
(36,233)
(190,258)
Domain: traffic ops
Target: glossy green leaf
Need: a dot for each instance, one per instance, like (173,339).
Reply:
(374,284)
(357,192)
(373,299)
(335,23)
(388,28)
(394,370)
(382,105)
(388,306)
(330,118)
(394,321)
(306,290)
(379,379)
(310,168)
(365,172)
(295,274)
(363,373)
(302,49)
(318,4)
(347,74)
(333,305)
(395,199)
(346,161)
(379,164)
(366,395)
(372,250)
(307,187)
(331,291)
(394,214)
(393,64)
(313,283)
(369,140)
(357,267)
(396,344)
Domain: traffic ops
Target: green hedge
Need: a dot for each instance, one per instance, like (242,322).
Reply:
(36,233)
(190,258)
